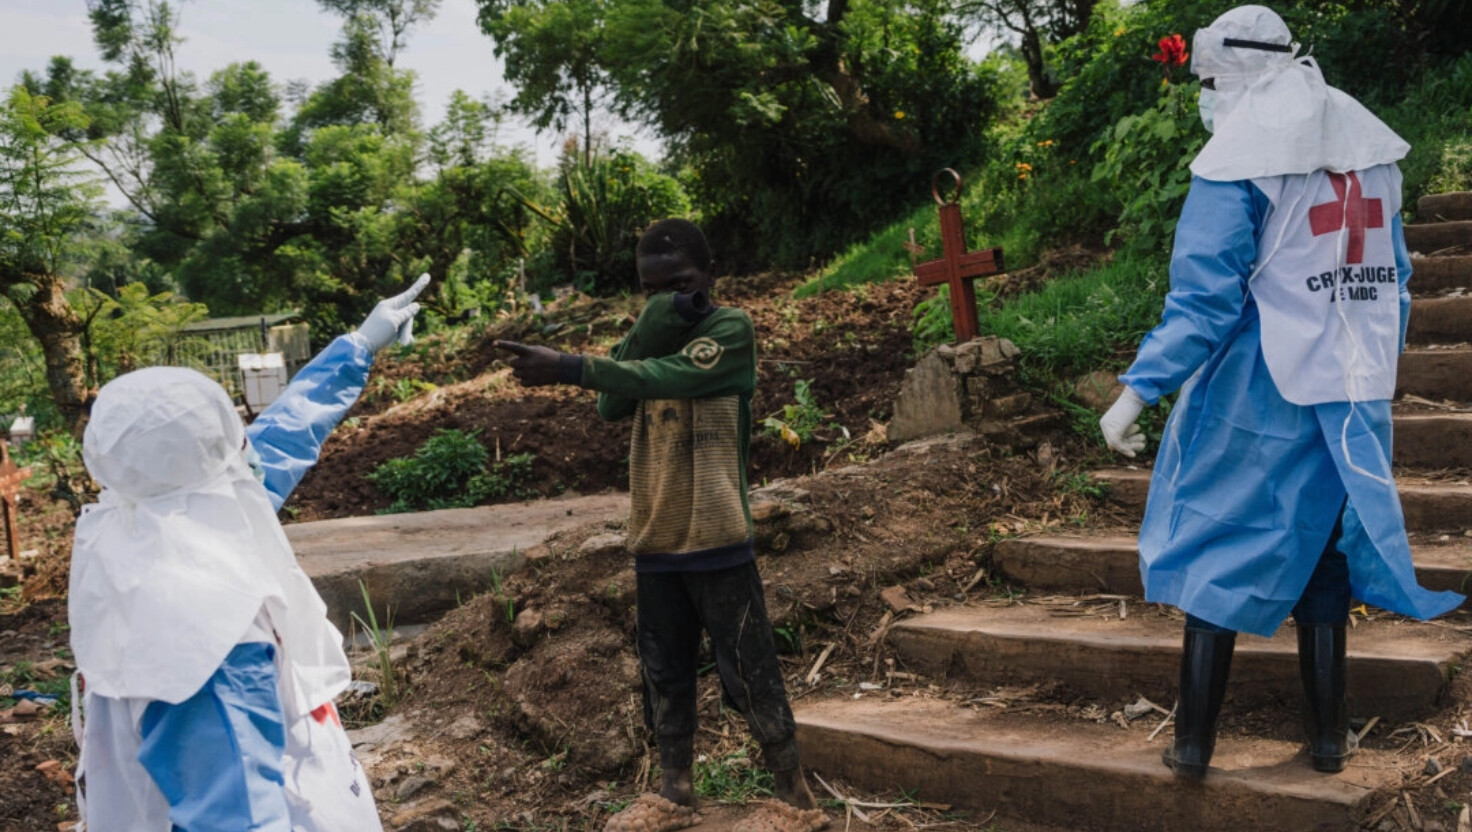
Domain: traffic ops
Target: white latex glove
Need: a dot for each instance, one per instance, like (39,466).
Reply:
(393,318)
(1118,424)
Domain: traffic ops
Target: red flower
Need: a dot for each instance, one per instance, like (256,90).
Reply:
(1172,51)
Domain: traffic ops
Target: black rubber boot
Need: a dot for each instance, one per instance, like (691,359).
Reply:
(1206,661)
(1325,715)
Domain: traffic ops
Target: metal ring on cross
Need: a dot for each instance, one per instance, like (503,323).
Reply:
(935,186)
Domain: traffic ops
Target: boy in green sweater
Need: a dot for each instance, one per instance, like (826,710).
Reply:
(686,373)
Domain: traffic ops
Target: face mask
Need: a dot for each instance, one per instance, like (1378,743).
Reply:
(1208,108)
(257,467)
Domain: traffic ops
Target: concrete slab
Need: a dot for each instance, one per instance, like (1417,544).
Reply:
(1398,670)
(1442,207)
(1428,506)
(1075,774)
(1430,237)
(1438,274)
(421,565)
(1111,564)
(1438,375)
(1440,320)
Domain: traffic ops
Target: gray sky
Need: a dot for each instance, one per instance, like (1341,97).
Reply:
(291,39)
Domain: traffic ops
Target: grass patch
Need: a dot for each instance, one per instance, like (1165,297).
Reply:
(732,777)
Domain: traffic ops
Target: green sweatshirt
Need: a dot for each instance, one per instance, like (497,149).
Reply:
(686,376)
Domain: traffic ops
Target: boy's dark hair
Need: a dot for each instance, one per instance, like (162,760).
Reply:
(676,236)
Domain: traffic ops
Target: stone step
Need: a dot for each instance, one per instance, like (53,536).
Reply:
(419,566)
(1430,237)
(1433,440)
(1111,564)
(1077,775)
(1440,320)
(1434,275)
(1443,207)
(1439,375)
(1429,506)
(1398,670)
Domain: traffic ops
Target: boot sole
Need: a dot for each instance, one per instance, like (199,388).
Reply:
(1184,771)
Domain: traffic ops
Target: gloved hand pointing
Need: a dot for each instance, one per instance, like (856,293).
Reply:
(1118,424)
(393,318)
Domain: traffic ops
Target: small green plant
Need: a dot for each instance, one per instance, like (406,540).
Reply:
(407,388)
(451,470)
(797,423)
(732,778)
(381,639)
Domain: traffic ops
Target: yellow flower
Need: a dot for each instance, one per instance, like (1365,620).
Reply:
(1118,32)
(1164,82)
(1021,176)
(899,113)
(1045,143)
(1023,166)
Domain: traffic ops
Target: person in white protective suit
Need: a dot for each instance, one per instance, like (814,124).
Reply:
(1272,491)
(207,667)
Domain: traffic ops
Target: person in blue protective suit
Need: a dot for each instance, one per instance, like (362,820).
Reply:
(207,667)
(1272,491)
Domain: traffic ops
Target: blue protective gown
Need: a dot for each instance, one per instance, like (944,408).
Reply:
(1247,486)
(217,756)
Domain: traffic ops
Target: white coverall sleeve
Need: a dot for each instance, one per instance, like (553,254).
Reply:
(1403,273)
(1215,247)
(289,434)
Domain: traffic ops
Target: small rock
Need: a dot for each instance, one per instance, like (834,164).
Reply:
(1432,826)
(1433,767)
(527,626)
(868,512)
(779,542)
(925,584)
(1098,390)
(432,816)
(465,728)
(412,786)
(1138,708)
(766,510)
(1466,764)
(602,544)
(537,553)
(897,599)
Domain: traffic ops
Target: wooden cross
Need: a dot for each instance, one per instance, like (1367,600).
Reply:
(957,267)
(11,478)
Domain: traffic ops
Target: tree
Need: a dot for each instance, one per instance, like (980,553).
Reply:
(802,119)
(1034,22)
(551,50)
(45,202)
(392,18)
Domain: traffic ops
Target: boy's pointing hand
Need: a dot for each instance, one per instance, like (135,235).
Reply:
(534,366)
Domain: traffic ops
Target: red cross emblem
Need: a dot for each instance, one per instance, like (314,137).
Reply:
(1355,213)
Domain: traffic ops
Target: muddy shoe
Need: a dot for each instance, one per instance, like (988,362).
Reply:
(652,813)
(777,816)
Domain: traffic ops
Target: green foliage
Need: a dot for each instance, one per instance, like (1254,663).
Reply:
(606,203)
(797,423)
(1434,114)
(450,470)
(733,777)
(797,130)
(1147,158)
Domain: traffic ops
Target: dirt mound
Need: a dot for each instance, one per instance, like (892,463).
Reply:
(544,672)
(854,346)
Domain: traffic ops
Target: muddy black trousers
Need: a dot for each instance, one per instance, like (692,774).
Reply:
(673,608)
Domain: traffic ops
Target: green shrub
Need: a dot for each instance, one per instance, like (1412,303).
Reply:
(1147,159)
(450,470)
(606,203)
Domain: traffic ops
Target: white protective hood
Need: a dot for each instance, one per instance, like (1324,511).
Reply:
(1275,115)
(177,558)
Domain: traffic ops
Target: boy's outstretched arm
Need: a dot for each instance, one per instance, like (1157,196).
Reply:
(721,362)
(289,434)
